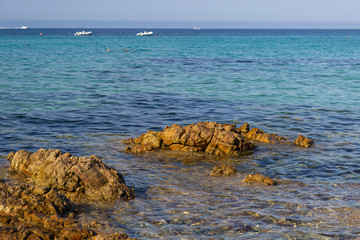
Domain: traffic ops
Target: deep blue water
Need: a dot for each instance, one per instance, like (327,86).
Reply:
(71,93)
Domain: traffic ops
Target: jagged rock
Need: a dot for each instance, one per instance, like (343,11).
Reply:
(78,178)
(245,128)
(14,198)
(303,141)
(223,170)
(211,137)
(256,134)
(28,212)
(259,179)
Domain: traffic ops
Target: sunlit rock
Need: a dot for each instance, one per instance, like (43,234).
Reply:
(256,134)
(303,141)
(259,179)
(78,178)
(211,137)
(245,128)
(31,212)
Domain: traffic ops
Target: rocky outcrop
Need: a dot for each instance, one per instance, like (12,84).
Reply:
(78,178)
(259,179)
(211,137)
(29,212)
(223,170)
(303,141)
(245,128)
(256,134)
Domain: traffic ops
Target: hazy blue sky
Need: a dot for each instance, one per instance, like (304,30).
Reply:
(180,12)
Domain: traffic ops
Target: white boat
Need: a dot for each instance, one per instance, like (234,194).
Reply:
(83,33)
(144,33)
(196,28)
(23,27)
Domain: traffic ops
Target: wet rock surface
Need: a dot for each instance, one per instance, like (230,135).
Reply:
(256,134)
(259,179)
(78,178)
(223,170)
(210,137)
(31,212)
(303,141)
(228,170)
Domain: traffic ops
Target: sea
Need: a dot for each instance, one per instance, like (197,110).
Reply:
(84,95)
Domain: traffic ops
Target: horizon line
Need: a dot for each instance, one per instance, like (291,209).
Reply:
(181,24)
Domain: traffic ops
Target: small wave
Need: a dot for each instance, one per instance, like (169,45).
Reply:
(245,61)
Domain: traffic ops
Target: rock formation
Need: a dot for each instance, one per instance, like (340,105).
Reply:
(28,212)
(223,170)
(78,178)
(259,179)
(303,141)
(256,134)
(211,137)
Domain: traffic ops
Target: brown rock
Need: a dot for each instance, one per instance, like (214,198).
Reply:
(211,137)
(259,179)
(256,134)
(223,170)
(303,141)
(245,128)
(27,212)
(78,178)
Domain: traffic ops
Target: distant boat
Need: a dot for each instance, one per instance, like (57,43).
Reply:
(196,28)
(144,33)
(83,33)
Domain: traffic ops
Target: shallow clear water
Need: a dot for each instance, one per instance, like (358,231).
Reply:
(70,93)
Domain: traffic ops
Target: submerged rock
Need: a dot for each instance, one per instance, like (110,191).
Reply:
(259,179)
(211,137)
(303,141)
(223,170)
(78,178)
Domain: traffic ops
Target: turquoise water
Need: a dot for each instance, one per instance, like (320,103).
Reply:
(71,93)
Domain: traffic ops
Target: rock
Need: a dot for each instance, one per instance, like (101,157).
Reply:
(78,178)
(303,141)
(245,128)
(259,179)
(211,137)
(27,212)
(256,134)
(31,212)
(113,236)
(223,170)
(14,198)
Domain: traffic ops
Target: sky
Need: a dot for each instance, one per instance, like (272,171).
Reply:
(181,13)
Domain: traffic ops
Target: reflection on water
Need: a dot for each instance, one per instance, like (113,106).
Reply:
(176,198)
(72,94)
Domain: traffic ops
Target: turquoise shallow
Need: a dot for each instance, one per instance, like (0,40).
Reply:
(85,94)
